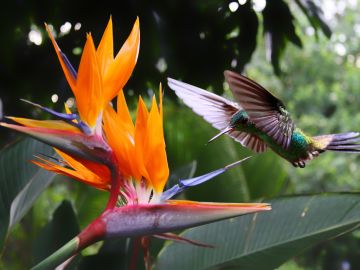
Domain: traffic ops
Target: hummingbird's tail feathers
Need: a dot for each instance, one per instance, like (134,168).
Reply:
(226,130)
(344,142)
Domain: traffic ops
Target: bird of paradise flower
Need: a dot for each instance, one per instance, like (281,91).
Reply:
(104,148)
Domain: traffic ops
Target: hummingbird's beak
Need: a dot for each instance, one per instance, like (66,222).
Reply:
(226,130)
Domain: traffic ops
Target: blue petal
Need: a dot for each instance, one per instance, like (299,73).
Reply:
(68,65)
(65,117)
(184,184)
(62,116)
(83,127)
(171,192)
(200,179)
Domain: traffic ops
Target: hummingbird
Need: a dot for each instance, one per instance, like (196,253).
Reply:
(258,120)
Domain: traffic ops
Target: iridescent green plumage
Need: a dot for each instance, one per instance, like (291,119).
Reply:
(299,145)
(259,120)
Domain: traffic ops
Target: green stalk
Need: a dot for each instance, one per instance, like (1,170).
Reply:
(59,256)
(94,232)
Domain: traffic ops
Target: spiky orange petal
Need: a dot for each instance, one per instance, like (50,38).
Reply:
(88,93)
(105,50)
(86,167)
(123,113)
(47,124)
(120,140)
(155,159)
(87,178)
(119,71)
(249,206)
(68,74)
(140,135)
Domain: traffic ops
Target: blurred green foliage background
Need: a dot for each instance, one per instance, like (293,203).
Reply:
(195,41)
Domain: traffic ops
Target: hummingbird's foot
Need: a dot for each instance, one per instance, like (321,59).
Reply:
(299,163)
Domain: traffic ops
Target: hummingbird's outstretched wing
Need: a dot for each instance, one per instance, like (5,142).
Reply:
(266,111)
(216,110)
(213,108)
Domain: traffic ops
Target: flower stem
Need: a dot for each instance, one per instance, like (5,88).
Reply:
(91,234)
(145,244)
(116,181)
(59,256)
(135,254)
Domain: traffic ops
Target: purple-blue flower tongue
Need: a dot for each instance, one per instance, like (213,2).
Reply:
(62,116)
(68,118)
(186,183)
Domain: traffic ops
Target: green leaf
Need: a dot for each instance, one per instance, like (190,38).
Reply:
(270,180)
(89,203)
(266,240)
(315,16)
(61,228)
(279,28)
(114,254)
(246,41)
(20,181)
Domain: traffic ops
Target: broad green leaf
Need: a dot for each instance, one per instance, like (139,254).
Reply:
(266,240)
(20,181)
(61,228)
(27,196)
(270,180)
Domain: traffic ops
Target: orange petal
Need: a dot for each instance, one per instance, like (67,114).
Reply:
(88,92)
(140,135)
(92,180)
(120,140)
(154,150)
(68,111)
(68,139)
(63,61)
(48,124)
(119,72)
(105,51)
(124,114)
(86,167)
(249,206)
